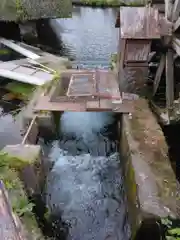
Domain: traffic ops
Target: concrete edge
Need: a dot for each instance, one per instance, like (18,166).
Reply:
(150,182)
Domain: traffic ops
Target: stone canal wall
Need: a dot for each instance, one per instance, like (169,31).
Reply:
(150,182)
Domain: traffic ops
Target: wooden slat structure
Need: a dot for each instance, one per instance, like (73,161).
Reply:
(139,23)
(154,28)
(83,90)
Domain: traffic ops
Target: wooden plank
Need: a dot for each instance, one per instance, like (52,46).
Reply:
(176,45)
(176,24)
(19,49)
(122,47)
(136,64)
(44,104)
(105,104)
(25,70)
(117,23)
(169,79)
(135,79)
(23,77)
(8,65)
(32,132)
(139,23)
(82,85)
(108,85)
(121,60)
(165,26)
(168,9)
(159,74)
(175,10)
(43,75)
(137,50)
(93,105)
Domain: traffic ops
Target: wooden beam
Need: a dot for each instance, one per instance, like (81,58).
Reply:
(168,9)
(121,61)
(165,26)
(25,52)
(176,24)
(169,79)
(159,74)
(176,10)
(176,45)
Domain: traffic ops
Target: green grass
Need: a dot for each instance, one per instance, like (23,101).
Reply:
(20,204)
(110,3)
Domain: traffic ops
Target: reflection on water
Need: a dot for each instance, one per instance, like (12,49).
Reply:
(86,188)
(90,36)
(10,132)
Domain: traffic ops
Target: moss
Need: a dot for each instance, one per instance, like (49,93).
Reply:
(20,91)
(154,151)
(21,11)
(12,162)
(17,196)
(113,61)
(109,3)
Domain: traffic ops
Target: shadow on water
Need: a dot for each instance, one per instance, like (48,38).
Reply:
(10,131)
(84,190)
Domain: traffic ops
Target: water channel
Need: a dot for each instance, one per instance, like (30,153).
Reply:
(89,38)
(85,185)
(84,190)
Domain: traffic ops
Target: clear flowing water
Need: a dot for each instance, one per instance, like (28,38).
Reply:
(85,185)
(85,191)
(89,37)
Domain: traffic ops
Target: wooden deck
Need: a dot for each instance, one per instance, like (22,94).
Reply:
(90,91)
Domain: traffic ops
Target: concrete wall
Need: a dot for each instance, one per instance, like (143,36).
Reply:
(150,182)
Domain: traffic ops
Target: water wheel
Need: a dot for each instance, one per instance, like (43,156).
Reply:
(170,43)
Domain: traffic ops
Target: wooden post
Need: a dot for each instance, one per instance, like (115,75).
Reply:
(56,120)
(169,79)
(176,10)
(159,74)
(168,9)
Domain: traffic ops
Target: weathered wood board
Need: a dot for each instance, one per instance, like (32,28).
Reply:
(25,73)
(139,23)
(133,79)
(103,96)
(137,51)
